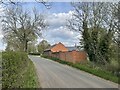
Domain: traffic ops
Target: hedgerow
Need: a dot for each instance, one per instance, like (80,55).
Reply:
(18,71)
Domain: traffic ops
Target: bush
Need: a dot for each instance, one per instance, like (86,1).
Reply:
(17,71)
(113,66)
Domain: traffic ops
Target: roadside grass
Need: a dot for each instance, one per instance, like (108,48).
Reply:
(87,68)
(18,71)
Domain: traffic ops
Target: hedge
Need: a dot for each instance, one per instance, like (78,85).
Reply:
(18,71)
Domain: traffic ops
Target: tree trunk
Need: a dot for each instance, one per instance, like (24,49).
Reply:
(26,46)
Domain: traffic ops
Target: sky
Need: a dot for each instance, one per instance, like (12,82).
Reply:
(2,46)
(56,17)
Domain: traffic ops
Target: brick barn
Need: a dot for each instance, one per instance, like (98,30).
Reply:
(70,54)
(55,48)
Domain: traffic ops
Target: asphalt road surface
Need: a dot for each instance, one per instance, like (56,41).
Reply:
(55,75)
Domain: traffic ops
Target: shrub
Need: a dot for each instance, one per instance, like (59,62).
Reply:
(17,71)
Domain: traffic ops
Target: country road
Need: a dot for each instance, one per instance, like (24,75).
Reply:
(55,75)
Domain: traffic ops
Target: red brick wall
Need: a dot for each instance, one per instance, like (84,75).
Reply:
(62,55)
(71,56)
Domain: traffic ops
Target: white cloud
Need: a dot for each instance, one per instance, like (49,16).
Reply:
(1,8)
(58,32)
(59,19)
(62,34)
(1,36)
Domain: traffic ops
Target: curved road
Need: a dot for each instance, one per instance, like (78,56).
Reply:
(55,75)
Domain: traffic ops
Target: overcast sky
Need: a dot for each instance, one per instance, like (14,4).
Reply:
(57,18)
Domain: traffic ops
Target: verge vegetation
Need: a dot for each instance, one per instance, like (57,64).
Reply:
(18,71)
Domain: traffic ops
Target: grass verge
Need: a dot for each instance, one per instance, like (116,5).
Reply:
(98,72)
(18,71)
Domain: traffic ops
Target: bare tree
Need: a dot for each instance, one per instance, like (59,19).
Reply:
(8,2)
(22,25)
(91,19)
(46,3)
(116,14)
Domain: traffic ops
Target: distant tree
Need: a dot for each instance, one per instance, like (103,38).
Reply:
(32,48)
(21,26)
(42,46)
